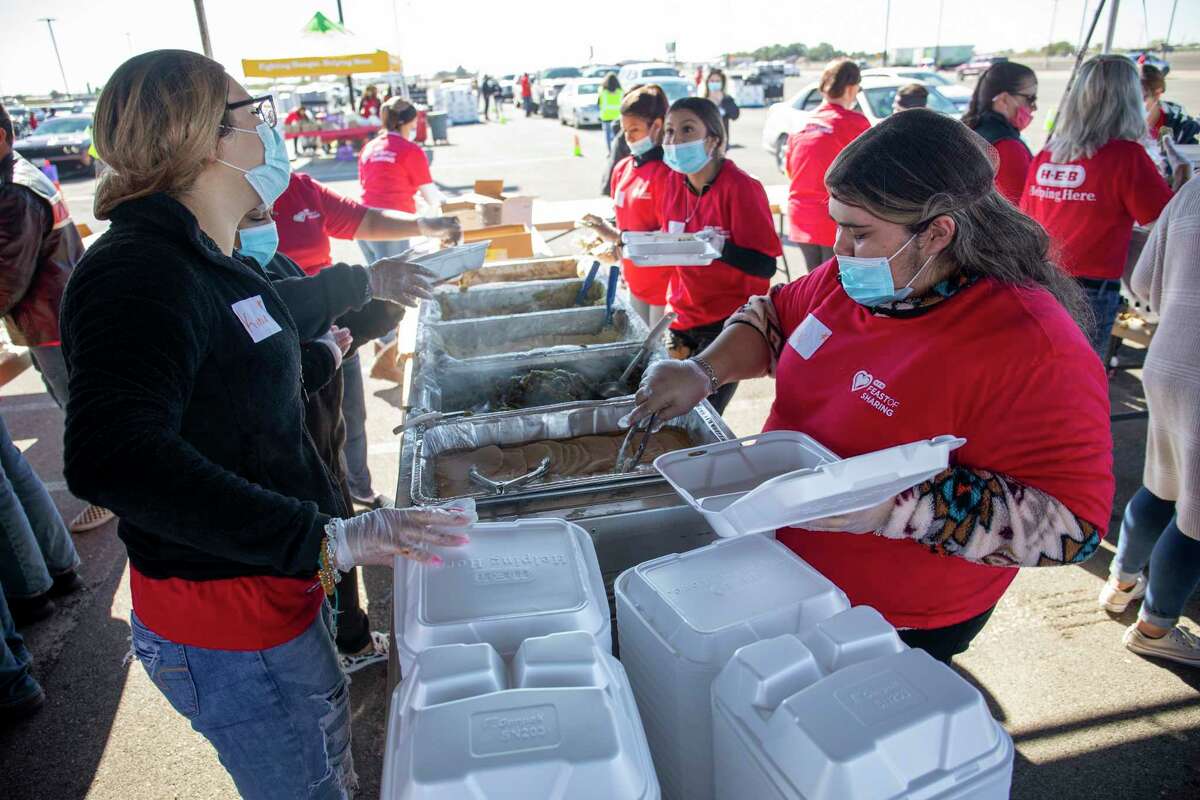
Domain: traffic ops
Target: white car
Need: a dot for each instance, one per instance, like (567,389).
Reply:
(874,101)
(579,102)
(953,91)
(646,72)
(599,70)
(674,88)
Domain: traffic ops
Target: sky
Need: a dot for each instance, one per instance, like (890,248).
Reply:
(518,35)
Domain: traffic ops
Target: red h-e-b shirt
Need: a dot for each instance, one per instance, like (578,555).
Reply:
(636,190)
(1089,206)
(736,203)
(391,169)
(1004,367)
(810,151)
(307,214)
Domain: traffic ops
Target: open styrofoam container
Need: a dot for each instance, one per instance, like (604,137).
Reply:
(658,249)
(451,262)
(846,711)
(782,479)
(559,723)
(513,580)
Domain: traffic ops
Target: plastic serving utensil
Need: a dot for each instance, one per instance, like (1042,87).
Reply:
(614,272)
(620,387)
(587,284)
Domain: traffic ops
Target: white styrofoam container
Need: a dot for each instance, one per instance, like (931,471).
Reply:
(658,249)
(783,478)
(513,580)
(561,724)
(680,618)
(848,712)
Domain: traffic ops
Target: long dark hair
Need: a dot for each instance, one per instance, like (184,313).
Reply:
(918,165)
(1003,76)
(708,113)
(611,84)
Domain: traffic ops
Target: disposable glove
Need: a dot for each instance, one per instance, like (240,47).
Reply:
(400,281)
(378,536)
(869,520)
(669,389)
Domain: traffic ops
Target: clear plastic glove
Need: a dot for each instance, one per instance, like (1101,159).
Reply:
(343,338)
(329,341)
(713,236)
(869,520)
(447,229)
(669,389)
(378,536)
(400,281)
(605,231)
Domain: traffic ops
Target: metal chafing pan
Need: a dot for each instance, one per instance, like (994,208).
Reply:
(565,421)
(451,386)
(490,337)
(450,304)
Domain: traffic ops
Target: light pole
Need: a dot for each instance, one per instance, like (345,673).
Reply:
(1050,36)
(202,21)
(1112,25)
(887,19)
(937,44)
(50,26)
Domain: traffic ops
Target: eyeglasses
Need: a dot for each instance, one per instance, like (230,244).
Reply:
(262,107)
(1029,98)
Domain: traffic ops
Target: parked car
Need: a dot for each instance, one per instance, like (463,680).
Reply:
(874,101)
(579,102)
(674,88)
(977,65)
(599,70)
(507,85)
(64,140)
(770,74)
(547,86)
(955,93)
(645,72)
(1140,57)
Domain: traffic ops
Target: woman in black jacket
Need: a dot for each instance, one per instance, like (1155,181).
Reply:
(714,88)
(186,417)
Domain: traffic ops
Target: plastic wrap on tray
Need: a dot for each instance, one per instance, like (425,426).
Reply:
(450,304)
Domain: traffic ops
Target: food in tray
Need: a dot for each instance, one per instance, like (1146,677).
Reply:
(552,299)
(545,387)
(491,348)
(579,457)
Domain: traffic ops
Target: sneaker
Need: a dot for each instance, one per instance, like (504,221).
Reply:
(373,653)
(1179,645)
(66,583)
(1117,600)
(90,518)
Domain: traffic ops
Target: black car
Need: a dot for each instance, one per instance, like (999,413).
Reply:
(64,140)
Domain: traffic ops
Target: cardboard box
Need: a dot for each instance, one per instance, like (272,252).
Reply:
(490,188)
(516,245)
(492,232)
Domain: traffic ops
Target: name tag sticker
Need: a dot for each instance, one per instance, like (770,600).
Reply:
(253,315)
(674,226)
(811,334)
(619,200)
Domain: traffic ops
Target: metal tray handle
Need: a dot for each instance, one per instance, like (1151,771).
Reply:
(500,487)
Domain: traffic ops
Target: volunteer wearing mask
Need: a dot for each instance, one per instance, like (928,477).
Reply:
(1002,106)
(1093,180)
(639,180)
(828,129)
(714,89)
(186,417)
(941,292)
(610,108)
(392,169)
(1163,113)
(711,192)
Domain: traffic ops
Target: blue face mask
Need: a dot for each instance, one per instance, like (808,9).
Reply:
(259,242)
(269,178)
(715,86)
(869,280)
(688,158)
(641,146)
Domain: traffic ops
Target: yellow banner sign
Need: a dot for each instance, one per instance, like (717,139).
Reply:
(379,61)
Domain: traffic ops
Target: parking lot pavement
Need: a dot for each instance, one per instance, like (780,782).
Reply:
(1090,720)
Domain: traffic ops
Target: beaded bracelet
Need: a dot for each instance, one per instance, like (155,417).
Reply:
(708,370)
(328,572)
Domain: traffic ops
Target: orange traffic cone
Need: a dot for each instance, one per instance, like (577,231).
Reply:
(578,150)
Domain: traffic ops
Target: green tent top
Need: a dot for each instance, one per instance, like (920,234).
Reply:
(323,24)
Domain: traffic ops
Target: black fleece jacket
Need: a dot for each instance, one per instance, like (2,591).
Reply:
(177,420)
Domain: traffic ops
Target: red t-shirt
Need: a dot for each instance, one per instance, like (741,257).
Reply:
(810,151)
(737,204)
(526,91)
(369,107)
(1015,159)
(391,169)
(307,214)
(635,192)
(252,613)
(1005,368)
(294,116)
(1089,206)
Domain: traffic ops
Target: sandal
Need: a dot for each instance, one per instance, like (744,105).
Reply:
(90,518)
(377,650)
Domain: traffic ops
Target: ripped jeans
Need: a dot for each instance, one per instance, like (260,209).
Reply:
(278,718)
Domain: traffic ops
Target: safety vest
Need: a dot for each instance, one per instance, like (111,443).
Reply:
(610,105)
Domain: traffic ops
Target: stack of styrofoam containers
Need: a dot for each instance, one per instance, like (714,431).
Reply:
(679,620)
(458,100)
(558,724)
(846,711)
(513,580)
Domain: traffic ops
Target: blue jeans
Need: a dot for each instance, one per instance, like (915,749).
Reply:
(279,718)
(34,542)
(1149,535)
(48,360)
(16,683)
(610,133)
(373,251)
(1105,302)
(354,411)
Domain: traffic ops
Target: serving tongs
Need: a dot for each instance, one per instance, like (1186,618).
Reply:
(500,487)
(625,462)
